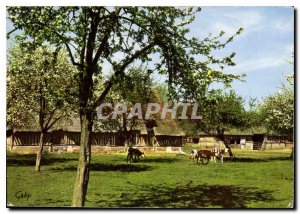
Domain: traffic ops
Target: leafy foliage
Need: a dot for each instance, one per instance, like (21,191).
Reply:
(220,111)
(94,35)
(134,87)
(41,86)
(278,109)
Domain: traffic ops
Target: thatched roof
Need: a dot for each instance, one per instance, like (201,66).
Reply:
(168,127)
(162,127)
(142,128)
(27,129)
(73,125)
(246,132)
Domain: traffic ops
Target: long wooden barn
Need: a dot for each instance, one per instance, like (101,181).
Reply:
(167,134)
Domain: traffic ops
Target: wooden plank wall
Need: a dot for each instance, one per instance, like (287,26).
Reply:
(104,139)
(70,138)
(30,138)
(166,140)
(116,139)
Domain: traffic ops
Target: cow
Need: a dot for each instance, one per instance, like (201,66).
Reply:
(134,155)
(221,154)
(215,153)
(193,154)
(204,154)
(210,155)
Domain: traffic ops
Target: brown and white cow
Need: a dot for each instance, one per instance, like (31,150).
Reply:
(193,154)
(204,154)
(221,154)
(210,155)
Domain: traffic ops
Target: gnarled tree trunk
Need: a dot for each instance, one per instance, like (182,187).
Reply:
(40,152)
(221,136)
(83,170)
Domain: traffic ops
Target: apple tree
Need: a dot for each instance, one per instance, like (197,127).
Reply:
(41,88)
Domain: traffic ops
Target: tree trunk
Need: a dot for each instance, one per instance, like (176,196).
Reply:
(152,138)
(222,138)
(83,170)
(12,140)
(128,138)
(40,152)
(220,135)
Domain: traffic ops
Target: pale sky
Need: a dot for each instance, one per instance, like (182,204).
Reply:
(261,50)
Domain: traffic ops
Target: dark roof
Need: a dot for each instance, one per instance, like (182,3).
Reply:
(168,127)
(163,127)
(73,125)
(246,132)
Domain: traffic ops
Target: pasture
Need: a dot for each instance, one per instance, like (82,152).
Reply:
(255,179)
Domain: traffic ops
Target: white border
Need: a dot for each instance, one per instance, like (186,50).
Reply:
(3,5)
(153,3)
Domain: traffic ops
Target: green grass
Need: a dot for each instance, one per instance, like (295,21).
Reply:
(255,179)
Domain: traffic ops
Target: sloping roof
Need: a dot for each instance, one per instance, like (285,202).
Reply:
(233,132)
(28,129)
(163,127)
(73,125)
(168,127)
(250,131)
(142,127)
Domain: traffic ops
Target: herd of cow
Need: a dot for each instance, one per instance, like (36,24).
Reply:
(208,155)
(203,156)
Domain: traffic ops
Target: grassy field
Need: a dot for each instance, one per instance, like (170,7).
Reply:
(255,179)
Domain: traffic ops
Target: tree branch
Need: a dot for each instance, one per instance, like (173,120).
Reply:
(10,32)
(54,121)
(205,131)
(50,117)
(91,37)
(65,42)
(114,18)
(120,70)
(72,57)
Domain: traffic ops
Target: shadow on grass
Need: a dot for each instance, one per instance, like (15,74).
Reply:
(249,160)
(29,160)
(120,167)
(189,196)
(56,202)
(280,158)
(105,167)
(159,160)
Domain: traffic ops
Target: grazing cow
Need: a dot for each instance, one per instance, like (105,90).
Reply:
(204,154)
(210,155)
(226,150)
(193,154)
(221,154)
(134,155)
(215,153)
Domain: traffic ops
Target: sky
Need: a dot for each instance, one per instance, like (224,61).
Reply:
(261,50)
